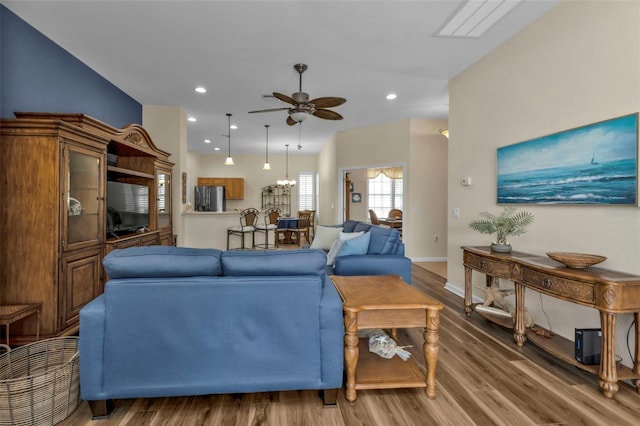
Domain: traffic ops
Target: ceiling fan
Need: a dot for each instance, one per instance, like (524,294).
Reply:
(303,107)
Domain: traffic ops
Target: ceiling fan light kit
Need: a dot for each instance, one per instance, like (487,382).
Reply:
(303,107)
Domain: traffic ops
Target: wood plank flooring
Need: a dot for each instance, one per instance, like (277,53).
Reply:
(483,378)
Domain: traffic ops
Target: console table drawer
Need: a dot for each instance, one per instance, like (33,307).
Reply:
(490,267)
(575,290)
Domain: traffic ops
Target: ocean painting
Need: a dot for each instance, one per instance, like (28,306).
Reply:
(594,164)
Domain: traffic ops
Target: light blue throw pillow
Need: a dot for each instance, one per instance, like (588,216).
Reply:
(337,245)
(354,246)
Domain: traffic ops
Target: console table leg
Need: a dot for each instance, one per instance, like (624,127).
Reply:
(636,364)
(467,291)
(351,352)
(519,334)
(430,349)
(608,376)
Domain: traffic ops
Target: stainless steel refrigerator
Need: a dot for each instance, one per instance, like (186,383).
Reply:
(210,199)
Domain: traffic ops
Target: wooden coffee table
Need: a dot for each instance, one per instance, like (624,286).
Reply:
(386,301)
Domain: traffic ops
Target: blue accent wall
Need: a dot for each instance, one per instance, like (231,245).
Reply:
(38,75)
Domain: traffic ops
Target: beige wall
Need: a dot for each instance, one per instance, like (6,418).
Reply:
(358,211)
(249,167)
(328,180)
(167,126)
(417,146)
(576,65)
(427,189)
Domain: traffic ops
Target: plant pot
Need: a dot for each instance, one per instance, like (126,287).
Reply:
(501,248)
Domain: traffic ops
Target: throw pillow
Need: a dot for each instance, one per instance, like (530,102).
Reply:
(353,246)
(324,237)
(337,245)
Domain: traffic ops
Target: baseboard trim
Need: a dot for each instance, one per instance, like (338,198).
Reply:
(428,259)
(459,291)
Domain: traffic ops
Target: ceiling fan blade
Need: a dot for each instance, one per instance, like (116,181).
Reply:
(269,110)
(327,114)
(328,102)
(285,98)
(291,121)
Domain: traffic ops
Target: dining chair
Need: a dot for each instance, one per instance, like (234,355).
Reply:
(248,220)
(312,222)
(304,220)
(270,224)
(374,217)
(395,214)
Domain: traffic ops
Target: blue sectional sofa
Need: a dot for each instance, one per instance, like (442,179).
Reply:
(384,256)
(177,321)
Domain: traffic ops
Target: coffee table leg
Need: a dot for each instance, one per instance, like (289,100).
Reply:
(351,352)
(430,348)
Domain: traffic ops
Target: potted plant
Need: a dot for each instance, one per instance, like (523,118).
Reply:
(508,223)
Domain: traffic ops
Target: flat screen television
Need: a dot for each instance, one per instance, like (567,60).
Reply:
(127,207)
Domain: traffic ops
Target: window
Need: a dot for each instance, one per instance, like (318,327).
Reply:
(306,191)
(384,194)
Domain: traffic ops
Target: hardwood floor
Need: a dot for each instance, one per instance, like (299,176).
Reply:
(483,378)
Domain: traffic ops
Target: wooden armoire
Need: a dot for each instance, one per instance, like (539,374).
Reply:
(53,189)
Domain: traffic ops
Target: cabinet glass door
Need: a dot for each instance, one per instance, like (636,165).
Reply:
(164,199)
(83,196)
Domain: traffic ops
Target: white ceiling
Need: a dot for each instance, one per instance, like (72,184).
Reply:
(159,51)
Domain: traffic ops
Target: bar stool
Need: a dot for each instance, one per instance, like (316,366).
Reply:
(248,220)
(270,224)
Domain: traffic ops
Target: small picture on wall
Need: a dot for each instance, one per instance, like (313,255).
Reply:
(593,164)
(356,197)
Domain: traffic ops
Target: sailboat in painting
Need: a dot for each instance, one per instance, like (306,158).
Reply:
(593,159)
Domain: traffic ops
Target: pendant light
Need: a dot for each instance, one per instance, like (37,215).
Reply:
(229,160)
(267,166)
(286,182)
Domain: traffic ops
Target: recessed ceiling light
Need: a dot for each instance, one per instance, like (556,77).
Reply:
(207,141)
(234,127)
(192,119)
(201,89)
(391,96)
(216,149)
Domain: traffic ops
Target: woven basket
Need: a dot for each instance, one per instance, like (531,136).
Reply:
(39,382)
(577,260)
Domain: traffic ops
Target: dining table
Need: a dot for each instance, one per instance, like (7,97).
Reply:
(288,223)
(392,222)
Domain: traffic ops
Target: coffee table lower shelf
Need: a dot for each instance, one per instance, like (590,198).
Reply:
(375,372)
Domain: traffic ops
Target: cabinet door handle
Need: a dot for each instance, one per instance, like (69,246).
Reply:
(546,283)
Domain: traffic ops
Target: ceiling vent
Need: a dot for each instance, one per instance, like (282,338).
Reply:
(476,17)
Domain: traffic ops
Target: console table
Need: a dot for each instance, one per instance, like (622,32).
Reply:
(609,292)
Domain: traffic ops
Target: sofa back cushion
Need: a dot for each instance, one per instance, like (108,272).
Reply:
(383,240)
(162,262)
(273,262)
(349,225)
(362,226)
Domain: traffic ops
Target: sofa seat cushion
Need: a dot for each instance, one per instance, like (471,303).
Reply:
(162,262)
(383,240)
(273,262)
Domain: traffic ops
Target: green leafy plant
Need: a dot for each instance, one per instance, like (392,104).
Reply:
(508,223)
